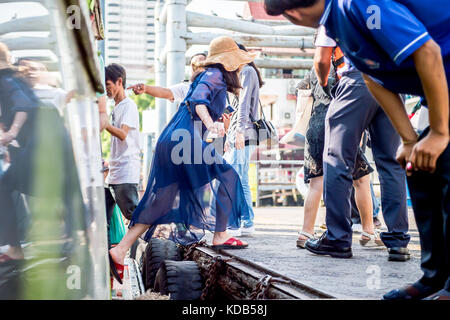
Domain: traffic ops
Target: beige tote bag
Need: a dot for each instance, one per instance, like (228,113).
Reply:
(304,109)
(303,114)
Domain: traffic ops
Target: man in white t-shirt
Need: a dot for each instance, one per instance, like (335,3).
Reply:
(124,161)
(177,92)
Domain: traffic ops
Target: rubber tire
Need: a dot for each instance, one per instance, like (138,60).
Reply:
(133,249)
(156,252)
(181,280)
(137,252)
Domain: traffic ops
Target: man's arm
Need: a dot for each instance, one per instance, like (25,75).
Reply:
(157,92)
(322,64)
(103,115)
(120,133)
(424,154)
(430,67)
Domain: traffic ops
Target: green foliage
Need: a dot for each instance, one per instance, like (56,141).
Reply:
(106,144)
(143,102)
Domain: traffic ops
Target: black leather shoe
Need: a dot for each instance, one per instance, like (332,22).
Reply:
(398,254)
(416,291)
(324,247)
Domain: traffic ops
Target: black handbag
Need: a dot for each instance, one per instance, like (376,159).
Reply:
(265,130)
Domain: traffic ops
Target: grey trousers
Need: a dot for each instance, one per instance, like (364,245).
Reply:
(353,110)
(125,196)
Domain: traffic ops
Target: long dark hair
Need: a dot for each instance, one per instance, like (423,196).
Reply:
(252,64)
(231,78)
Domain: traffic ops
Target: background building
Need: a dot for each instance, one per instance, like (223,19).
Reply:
(278,95)
(130,37)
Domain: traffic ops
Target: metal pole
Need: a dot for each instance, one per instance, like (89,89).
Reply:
(37,23)
(160,68)
(29,43)
(254,40)
(176,45)
(195,19)
(304,64)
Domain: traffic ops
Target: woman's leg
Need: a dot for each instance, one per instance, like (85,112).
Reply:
(363,198)
(119,252)
(312,203)
(9,230)
(224,205)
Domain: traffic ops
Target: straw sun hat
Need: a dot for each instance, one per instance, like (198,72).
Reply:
(225,51)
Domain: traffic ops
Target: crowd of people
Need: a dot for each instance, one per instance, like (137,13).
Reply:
(403,50)
(357,85)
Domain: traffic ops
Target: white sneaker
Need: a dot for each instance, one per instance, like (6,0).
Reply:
(357,227)
(234,232)
(247,231)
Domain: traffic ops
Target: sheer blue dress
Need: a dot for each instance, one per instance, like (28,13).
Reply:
(176,203)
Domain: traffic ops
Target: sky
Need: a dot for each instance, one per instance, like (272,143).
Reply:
(21,10)
(221,8)
(225,9)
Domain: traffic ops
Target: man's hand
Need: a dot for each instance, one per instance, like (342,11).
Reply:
(424,154)
(327,90)
(240,141)
(403,156)
(137,88)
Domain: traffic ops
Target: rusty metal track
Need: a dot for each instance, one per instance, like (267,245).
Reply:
(244,276)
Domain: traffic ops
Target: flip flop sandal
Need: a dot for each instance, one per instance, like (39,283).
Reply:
(301,242)
(116,269)
(231,243)
(373,240)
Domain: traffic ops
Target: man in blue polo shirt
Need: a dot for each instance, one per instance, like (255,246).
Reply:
(402,46)
(351,112)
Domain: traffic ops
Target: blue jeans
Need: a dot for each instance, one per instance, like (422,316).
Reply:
(375,202)
(240,161)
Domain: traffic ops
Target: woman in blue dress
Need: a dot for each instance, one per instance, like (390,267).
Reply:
(184,166)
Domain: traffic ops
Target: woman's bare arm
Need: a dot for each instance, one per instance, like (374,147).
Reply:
(202,112)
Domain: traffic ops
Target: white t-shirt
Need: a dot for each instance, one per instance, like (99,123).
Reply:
(54,96)
(323,40)
(124,162)
(180,91)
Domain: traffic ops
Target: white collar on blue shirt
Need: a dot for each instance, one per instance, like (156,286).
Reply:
(326,12)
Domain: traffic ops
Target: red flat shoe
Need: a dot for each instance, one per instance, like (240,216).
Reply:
(116,269)
(5,258)
(231,243)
